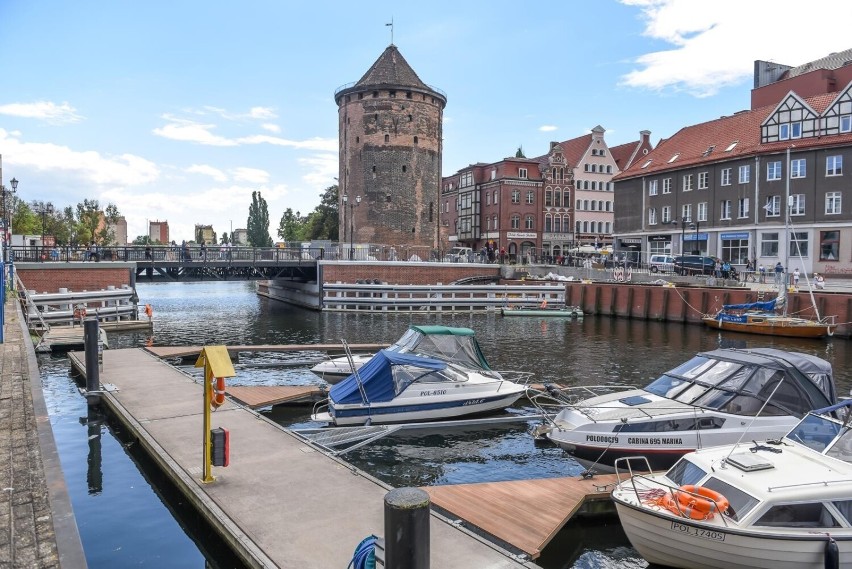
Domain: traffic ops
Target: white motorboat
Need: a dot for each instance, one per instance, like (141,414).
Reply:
(398,387)
(710,400)
(334,370)
(782,504)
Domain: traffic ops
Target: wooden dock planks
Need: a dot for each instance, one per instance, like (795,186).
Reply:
(524,513)
(280,502)
(187,351)
(258,396)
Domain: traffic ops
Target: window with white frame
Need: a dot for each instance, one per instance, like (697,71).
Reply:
(687,183)
(773,170)
(530,197)
(557,198)
(829,245)
(667,214)
(686,212)
(494,223)
(787,131)
(522,173)
(769,244)
(667,185)
(799,246)
(846,123)
(466,180)
(702,211)
(797,204)
(834,165)
(703,178)
(745,174)
(726,177)
(832,203)
(529,222)
(798,168)
(516,196)
(495,197)
(487,198)
(742,208)
(652,216)
(488,223)
(652,188)
(515,221)
(579,205)
(773,206)
(557,224)
(725,209)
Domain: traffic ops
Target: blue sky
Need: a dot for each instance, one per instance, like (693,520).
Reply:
(179,110)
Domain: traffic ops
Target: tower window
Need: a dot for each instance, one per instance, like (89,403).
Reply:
(392,94)
(376,116)
(409,118)
(415,140)
(357,139)
(408,94)
(387,198)
(374,169)
(404,168)
(375,94)
(387,138)
(360,96)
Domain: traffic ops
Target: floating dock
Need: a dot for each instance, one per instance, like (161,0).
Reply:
(281,502)
(184,352)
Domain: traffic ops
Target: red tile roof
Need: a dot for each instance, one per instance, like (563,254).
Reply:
(692,142)
(391,69)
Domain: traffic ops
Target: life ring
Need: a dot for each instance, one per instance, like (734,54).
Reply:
(695,502)
(218,395)
(79,313)
(149,312)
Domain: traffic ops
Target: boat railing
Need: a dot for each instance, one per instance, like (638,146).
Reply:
(641,491)
(554,398)
(515,376)
(803,484)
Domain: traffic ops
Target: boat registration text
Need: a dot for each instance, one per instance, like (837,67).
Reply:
(433,392)
(698,532)
(611,439)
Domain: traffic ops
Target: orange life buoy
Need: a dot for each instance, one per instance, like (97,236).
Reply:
(695,502)
(79,313)
(218,395)
(149,312)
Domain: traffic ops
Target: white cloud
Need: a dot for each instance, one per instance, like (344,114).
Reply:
(47,111)
(250,175)
(322,169)
(186,130)
(210,171)
(547,128)
(271,127)
(714,44)
(263,113)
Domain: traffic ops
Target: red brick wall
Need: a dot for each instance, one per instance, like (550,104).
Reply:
(404,273)
(77,278)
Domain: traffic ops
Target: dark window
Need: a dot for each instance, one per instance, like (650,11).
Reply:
(813,515)
(357,139)
(740,502)
(415,140)
(387,138)
(404,168)
(684,472)
(375,94)
(408,94)
(410,118)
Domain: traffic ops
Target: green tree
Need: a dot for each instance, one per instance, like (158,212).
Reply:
(257,225)
(323,222)
(24,219)
(290,226)
(94,224)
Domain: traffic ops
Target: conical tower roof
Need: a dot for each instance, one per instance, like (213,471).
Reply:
(391,69)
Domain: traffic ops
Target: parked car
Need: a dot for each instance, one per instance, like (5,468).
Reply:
(459,255)
(694,265)
(659,263)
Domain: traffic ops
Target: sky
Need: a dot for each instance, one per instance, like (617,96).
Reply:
(179,110)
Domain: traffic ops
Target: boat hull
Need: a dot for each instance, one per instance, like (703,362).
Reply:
(397,411)
(568,312)
(790,328)
(662,539)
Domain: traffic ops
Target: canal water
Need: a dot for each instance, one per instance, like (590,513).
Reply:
(129,515)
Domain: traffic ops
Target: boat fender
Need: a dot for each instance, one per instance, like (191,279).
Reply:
(149,312)
(365,554)
(695,502)
(832,554)
(218,398)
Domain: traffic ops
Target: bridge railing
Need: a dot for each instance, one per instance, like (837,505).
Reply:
(164,254)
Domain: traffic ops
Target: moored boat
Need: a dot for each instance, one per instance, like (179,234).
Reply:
(782,504)
(546,311)
(760,318)
(707,401)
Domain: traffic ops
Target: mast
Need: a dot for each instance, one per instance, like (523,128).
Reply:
(786,232)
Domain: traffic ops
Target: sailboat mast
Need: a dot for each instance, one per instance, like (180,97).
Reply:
(786,232)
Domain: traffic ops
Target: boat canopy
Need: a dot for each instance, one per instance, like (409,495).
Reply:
(741,381)
(383,377)
(765,305)
(457,345)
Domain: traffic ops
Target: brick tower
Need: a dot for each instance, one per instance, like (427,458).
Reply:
(390,125)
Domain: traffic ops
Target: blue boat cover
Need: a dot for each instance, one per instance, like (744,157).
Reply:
(763,305)
(377,377)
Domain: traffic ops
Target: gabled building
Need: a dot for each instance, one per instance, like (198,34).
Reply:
(727,187)
(541,207)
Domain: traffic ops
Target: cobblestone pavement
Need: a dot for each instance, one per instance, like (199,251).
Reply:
(37,527)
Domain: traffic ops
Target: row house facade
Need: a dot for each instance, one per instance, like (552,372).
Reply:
(767,184)
(541,207)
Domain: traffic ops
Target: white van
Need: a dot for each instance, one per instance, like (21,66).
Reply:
(659,263)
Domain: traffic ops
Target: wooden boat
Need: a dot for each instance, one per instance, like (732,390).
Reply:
(759,318)
(563,311)
(780,504)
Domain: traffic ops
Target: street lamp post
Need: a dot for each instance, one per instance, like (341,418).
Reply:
(6,231)
(43,209)
(352,206)
(696,225)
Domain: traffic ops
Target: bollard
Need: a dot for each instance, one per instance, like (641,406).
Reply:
(90,341)
(407,529)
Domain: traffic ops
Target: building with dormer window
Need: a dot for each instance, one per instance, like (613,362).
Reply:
(727,186)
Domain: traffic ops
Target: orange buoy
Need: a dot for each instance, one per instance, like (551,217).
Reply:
(149,312)
(79,313)
(695,502)
(218,397)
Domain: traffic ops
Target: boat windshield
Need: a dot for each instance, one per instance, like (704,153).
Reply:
(458,349)
(403,376)
(817,432)
(739,503)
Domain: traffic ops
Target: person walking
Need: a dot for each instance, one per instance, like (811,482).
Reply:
(779,273)
(762,274)
(796,275)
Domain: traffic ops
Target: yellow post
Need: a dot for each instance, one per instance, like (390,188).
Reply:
(216,363)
